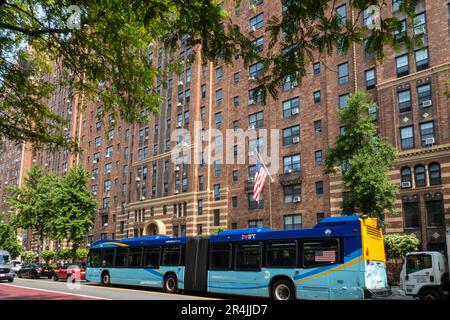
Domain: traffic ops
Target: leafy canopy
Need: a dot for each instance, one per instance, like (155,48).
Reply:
(108,56)
(365,159)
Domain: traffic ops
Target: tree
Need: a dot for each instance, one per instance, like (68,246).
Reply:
(105,53)
(65,254)
(27,256)
(82,254)
(365,159)
(48,255)
(398,245)
(34,204)
(74,209)
(8,239)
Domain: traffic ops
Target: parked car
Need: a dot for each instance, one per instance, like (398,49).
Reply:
(76,271)
(6,265)
(17,265)
(35,271)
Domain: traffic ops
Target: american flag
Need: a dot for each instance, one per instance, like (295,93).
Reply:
(260,179)
(325,256)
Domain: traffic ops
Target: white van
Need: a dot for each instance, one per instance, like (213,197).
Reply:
(6,266)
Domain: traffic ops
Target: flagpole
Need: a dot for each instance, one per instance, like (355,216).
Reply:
(270,189)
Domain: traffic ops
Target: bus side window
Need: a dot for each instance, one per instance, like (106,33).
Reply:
(171,256)
(94,258)
(248,256)
(121,257)
(282,254)
(107,257)
(220,256)
(151,256)
(319,252)
(135,257)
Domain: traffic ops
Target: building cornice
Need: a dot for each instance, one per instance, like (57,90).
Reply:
(424,153)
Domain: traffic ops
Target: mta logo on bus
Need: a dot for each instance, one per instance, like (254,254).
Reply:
(249,236)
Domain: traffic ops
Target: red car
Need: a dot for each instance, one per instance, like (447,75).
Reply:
(76,271)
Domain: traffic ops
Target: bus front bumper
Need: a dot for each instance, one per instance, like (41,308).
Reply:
(377,293)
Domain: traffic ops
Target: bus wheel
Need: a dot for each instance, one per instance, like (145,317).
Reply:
(170,284)
(106,279)
(282,290)
(429,294)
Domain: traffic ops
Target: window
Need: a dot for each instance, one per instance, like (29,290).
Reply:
(396,5)
(171,256)
(343,73)
(218,97)
(203,88)
(406,138)
(219,74)
(406,178)
(316,68)
(258,44)
(292,193)
(248,256)
(291,135)
(218,119)
(419,173)
(108,257)
(341,14)
(135,258)
(434,171)
(318,126)
(400,34)
(370,79)
(402,65)
(421,59)
(257,22)
(411,216)
(236,77)
(255,223)
(419,24)
(254,96)
(320,252)
(293,221)
(291,107)
(217,192)
(256,120)
(120,259)
(234,201)
(151,257)
(343,101)
(98,141)
(435,213)
(320,216)
(252,204)
(318,156)
(316,96)
(220,256)
(290,82)
(234,175)
(282,254)
(319,188)
(424,95)
(415,263)
(404,101)
(216,214)
(427,133)
(292,163)
(255,70)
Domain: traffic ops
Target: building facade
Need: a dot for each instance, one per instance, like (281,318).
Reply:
(161,178)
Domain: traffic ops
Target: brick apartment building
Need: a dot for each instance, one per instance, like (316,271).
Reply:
(142,189)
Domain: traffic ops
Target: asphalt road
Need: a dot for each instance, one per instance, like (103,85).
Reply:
(45,289)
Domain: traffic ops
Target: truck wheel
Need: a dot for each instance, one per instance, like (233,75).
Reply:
(170,284)
(430,294)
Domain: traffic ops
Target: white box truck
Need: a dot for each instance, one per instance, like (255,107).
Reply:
(425,275)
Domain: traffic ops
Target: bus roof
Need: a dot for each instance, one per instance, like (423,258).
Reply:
(328,227)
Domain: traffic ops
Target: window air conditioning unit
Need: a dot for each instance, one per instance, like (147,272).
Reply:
(107,155)
(184,173)
(251,101)
(406,184)
(429,141)
(105,224)
(251,154)
(295,111)
(179,104)
(138,179)
(108,171)
(427,103)
(142,198)
(296,199)
(178,124)
(251,29)
(288,171)
(251,127)
(180,83)
(177,191)
(94,193)
(93,178)
(95,161)
(295,139)
(251,78)
(177,168)
(420,30)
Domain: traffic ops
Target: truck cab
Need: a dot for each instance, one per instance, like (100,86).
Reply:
(425,275)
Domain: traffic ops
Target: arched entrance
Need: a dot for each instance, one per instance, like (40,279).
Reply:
(154,227)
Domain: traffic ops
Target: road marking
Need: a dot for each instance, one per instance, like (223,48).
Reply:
(97,286)
(53,291)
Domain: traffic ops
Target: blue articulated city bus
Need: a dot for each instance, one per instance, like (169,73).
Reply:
(340,258)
